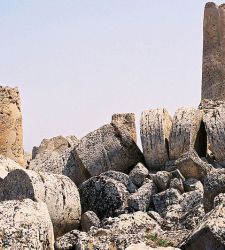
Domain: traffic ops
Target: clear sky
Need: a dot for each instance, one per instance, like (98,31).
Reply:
(76,62)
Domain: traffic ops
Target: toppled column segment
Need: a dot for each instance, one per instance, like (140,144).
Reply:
(155,131)
(25,224)
(11,133)
(127,120)
(213,66)
(57,191)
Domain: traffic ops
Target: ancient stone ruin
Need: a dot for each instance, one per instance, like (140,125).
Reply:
(103,192)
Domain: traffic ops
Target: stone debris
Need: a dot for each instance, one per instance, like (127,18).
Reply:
(89,219)
(187,133)
(155,131)
(138,174)
(57,191)
(25,224)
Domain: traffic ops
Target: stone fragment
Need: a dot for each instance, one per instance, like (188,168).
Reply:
(127,120)
(192,184)
(140,201)
(138,174)
(154,215)
(220,198)
(7,165)
(191,166)
(103,195)
(187,133)
(143,246)
(215,127)
(25,224)
(214,184)
(213,66)
(162,180)
(177,184)
(123,178)
(164,199)
(57,191)
(155,131)
(209,234)
(89,219)
(11,131)
(54,155)
(110,147)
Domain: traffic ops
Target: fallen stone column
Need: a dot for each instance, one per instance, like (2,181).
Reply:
(25,224)
(155,131)
(11,133)
(127,120)
(187,133)
(110,147)
(57,191)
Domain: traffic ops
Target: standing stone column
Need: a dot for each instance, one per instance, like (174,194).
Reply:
(11,134)
(213,67)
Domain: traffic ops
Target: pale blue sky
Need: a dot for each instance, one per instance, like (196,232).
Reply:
(78,62)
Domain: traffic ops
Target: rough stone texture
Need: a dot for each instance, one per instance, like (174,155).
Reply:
(103,195)
(138,174)
(89,219)
(191,166)
(143,246)
(54,155)
(27,159)
(220,198)
(193,185)
(57,191)
(110,147)
(140,201)
(25,225)
(154,215)
(213,67)
(7,165)
(116,233)
(155,131)
(214,184)
(209,234)
(11,132)
(177,183)
(215,127)
(123,178)
(128,120)
(162,180)
(187,133)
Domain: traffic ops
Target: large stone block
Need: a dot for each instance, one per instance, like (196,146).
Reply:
(155,131)
(11,132)
(188,132)
(25,224)
(57,191)
(110,147)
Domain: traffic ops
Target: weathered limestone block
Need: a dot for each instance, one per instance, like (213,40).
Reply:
(219,199)
(57,191)
(214,121)
(7,165)
(191,166)
(103,195)
(54,155)
(209,234)
(213,67)
(25,224)
(187,133)
(89,219)
(192,184)
(11,132)
(140,201)
(138,174)
(110,147)
(128,120)
(155,131)
(162,179)
(177,183)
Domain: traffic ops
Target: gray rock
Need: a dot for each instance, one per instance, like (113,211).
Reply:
(219,199)
(25,224)
(110,147)
(138,174)
(103,195)
(141,200)
(154,215)
(209,234)
(191,166)
(57,191)
(177,184)
(123,178)
(162,180)
(192,184)
(155,131)
(187,133)
(89,219)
